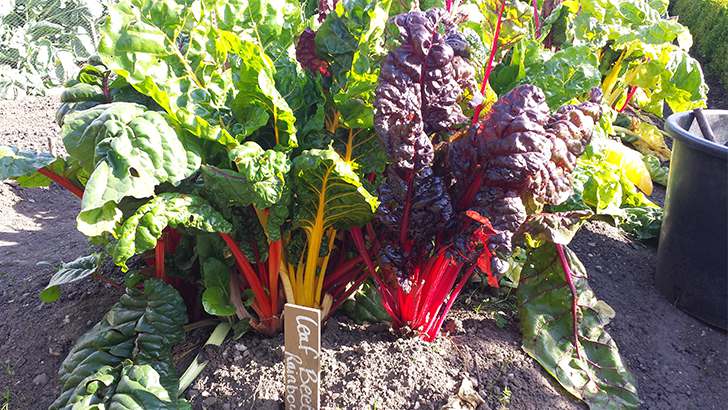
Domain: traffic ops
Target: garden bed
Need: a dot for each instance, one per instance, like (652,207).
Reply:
(678,362)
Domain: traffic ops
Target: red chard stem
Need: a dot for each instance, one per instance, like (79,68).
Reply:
(250,276)
(463,280)
(62,181)
(630,94)
(574,297)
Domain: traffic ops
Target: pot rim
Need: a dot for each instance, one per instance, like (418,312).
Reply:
(672,126)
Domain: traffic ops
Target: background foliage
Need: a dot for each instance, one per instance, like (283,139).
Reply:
(43,42)
(708,22)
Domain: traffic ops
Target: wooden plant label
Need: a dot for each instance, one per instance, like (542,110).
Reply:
(302,333)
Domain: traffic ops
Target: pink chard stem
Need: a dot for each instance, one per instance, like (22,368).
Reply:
(489,67)
(630,94)
(536,21)
(574,297)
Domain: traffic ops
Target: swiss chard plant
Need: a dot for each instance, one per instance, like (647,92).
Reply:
(253,153)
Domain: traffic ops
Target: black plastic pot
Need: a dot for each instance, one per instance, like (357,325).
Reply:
(692,267)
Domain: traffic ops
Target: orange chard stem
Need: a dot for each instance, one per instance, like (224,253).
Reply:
(159,258)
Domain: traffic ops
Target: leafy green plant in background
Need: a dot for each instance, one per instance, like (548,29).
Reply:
(43,43)
(708,21)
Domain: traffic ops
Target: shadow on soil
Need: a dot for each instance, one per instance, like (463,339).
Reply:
(39,225)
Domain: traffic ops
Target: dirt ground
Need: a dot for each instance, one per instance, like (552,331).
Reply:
(678,361)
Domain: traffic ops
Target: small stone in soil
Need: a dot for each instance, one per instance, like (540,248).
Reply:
(40,380)
(210,401)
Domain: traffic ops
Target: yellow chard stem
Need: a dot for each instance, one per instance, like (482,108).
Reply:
(333,124)
(314,244)
(611,79)
(262,218)
(300,291)
(349,146)
(287,287)
(275,123)
(324,265)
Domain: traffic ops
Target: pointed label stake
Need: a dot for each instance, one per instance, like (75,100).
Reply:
(302,358)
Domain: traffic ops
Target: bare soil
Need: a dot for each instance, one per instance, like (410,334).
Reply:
(678,361)
(717,96)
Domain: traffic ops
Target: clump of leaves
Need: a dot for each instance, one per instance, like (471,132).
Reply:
(438,219)
(125,359)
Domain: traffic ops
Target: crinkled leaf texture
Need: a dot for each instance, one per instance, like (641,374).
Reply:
(258,100)
(274,23)
(125,360)
(260,179)
(558,227)
(329,193)
(140,232)
(70,272)
(172,51)
(520,154)
(598,376)
(642,223)
(351,38)
(128,151)
(419,88)
(306,53)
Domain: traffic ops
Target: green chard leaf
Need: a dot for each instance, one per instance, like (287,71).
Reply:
(304,95)
(351,38)
(329,193)
(23,166)
(140,232)
(260,179)
(73,271)
(364,148)
(658,172)
(366,305)
(567,74)
(83,92)
(273,23)
(557,227)
(216,296)
(642,223)
(595,372)
(125,360)
(171,51)
(128,151)
(258,101)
